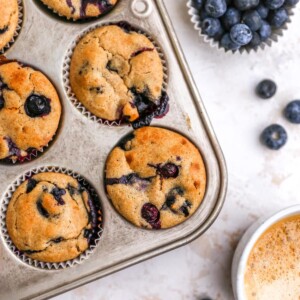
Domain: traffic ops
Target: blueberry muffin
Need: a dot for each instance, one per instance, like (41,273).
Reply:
(155,178)
(116,73)
(80,9)
(51,218)
(9,17)
(30,110)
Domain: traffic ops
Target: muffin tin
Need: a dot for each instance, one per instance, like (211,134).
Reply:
(82,145)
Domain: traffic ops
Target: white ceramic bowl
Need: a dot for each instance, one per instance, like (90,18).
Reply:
(246,244)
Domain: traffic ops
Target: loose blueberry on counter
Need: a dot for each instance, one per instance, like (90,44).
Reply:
(228,44)
(216,8)
(252,19)
(231,17)
(273,4)
(245,4)
(266,89)
(278,18)
(274,137)
(211,26)
(197,4)
(265,31)
(241,34)
(263,11)
(37,106)
(151,214)
(292,112)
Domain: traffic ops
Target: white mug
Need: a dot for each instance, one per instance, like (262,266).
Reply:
(247,243)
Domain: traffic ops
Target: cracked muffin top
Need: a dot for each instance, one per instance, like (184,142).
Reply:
(80,9)
(155,178)
(30,110)
(51,218)
(9,16)
(116,73)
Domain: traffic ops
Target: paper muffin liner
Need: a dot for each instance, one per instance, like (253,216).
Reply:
(276,33)
(17,31)
(36,263)
(67,64)
(71,19)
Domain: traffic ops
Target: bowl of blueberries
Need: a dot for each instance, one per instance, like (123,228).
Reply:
(241,25)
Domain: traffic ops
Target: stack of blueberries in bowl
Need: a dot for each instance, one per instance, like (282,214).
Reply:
(242,24)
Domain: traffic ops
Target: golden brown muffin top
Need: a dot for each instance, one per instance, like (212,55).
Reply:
(49,217)
(155,178)
(30,110)
(9,16)
(116,72)
(80,9)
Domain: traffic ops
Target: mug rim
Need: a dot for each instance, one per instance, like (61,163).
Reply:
(247,243)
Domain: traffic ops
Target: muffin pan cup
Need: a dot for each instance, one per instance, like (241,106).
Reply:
(276,34)
(18,29)
(32,262)
(83,145)
(66,72)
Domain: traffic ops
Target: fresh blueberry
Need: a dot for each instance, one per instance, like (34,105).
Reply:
(277,18)
(216,8)
(228,44)
(37,106)
(274,4)
(151,214)
(256,40)
(263,11)
(266,89)
(203,14)
(197,4)
(292,112)
(265,31)
(291,3)
(231,17)
(241,34)
(245,4)
(252,19)
(274,136)
(211,26)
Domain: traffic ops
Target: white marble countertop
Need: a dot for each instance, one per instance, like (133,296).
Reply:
(260,180)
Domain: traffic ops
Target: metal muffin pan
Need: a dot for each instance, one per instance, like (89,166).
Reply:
(82,145)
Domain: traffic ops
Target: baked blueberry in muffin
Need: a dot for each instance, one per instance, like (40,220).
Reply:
(30,110)
(80,9)
(52,218)
(155,178)
(9,16)
(117,74)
